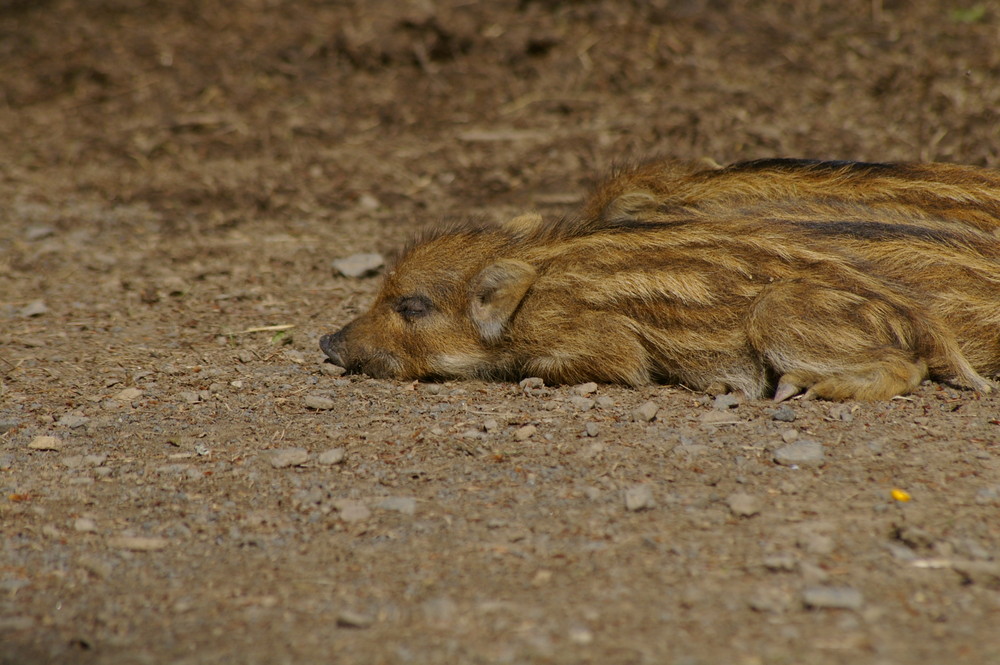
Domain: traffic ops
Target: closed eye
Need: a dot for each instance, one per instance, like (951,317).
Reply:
(414,307)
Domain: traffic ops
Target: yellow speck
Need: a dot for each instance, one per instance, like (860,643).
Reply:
(901,495)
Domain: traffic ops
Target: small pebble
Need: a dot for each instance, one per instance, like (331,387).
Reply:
(743,505)
(85,525)
(491,425)
(785,414)
(725,402)
(38,231)
(72,420)
(816,543)
(525,433)
(352,511)
(34,308)
(401,504)
(95,460)
(368,202)
(582,403)
(332,456)
(358,265)
(95,566)
(781,563)
(72,461)
(318,402)
(531,383)
(842,412)
(605,402)
(769,600)
(645,413)
(719,418)
(46,443)
(585,389)
(592,429)
(580,635)
(325,368)
(127,395)
(829,597)
(431,388)
(351,619)
(789,435)
(802,453)
(285,457)
(639,497)
(138,543)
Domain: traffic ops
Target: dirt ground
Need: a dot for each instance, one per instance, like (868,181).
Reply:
(175,180)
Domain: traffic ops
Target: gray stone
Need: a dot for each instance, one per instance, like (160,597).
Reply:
(582,403)
(785,414)
(531,383)
(34,308)
(781,563)
(351,619)
(332,456)
(46,443)
(352,511)
(285,457)
(525,433)
(72,421)
(743,505)
(725,402)
(359,265)
(639,497)
(401,504)
(830,597)
(585,389)
(645,413)
(127,395)
(719,418)
(816,543)
(72,461)
(84,525)
(804,453)
(591,429)
(38,231)
(138,543)
(318,402)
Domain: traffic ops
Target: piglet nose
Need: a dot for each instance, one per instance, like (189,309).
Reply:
(331,345)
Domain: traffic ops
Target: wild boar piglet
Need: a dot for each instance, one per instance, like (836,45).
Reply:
(769,278)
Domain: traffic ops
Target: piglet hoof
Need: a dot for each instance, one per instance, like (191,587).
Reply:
(785,390)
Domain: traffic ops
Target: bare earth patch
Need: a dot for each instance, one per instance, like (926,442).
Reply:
(182,479)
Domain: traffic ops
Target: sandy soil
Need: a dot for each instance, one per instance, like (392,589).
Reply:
(175,180)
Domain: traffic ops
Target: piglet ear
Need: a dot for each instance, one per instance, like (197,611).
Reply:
(495,293)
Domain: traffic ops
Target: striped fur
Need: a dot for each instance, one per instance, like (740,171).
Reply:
(845,280)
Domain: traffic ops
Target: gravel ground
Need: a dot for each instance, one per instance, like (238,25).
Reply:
(185,480)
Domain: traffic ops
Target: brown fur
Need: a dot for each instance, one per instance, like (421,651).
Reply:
(845,280)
